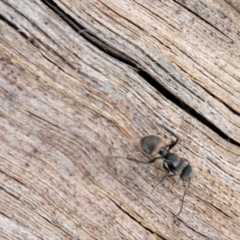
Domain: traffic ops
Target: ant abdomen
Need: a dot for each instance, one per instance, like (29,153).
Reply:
(187,173)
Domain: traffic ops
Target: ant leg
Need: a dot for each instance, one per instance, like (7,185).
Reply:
(172,144)
(138,161)
(183,200)
(169,174)
(148,162)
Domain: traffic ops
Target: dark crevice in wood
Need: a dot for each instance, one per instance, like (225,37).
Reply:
(88,36)
(13,26)
(204,88)
(157,15)
(134,219)
(204,20)
(123,17)
(194,230)
(220,210)
(233,5)
(10,193)
(42,119)
(185,107)
(221,101)
(123,58)
(35,42)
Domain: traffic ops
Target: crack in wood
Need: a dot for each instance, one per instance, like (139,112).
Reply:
(194,230)
(145,75)
(134,219)
(204,20)
(36,116)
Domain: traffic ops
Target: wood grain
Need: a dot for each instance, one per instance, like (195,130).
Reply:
(82,81)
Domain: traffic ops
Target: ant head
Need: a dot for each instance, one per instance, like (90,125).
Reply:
(152,144)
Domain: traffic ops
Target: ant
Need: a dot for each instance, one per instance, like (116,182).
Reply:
(153,145)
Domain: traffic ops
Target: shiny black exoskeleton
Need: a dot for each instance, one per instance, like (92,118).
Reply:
(153,145)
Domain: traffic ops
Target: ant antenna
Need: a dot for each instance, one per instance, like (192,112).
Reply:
(172,144)
(183,200)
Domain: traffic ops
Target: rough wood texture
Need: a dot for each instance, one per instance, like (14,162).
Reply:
(84,80)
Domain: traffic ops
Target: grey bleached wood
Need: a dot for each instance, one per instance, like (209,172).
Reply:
(191,48)
(66,107)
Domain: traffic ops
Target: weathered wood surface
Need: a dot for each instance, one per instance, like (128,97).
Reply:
(73,91)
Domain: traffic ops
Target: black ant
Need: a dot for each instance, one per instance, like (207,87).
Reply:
(153,145)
